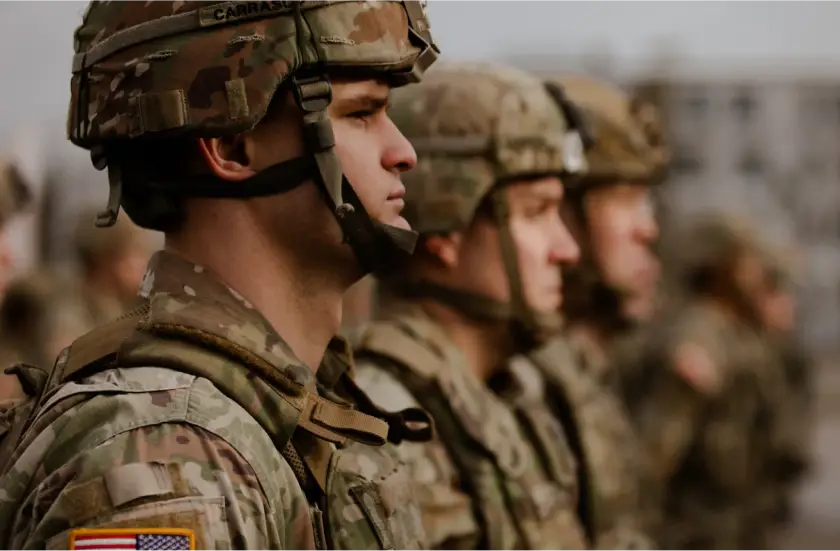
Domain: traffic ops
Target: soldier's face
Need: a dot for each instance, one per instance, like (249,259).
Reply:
(542,241)
(622,229)
(372,150)
(777,309)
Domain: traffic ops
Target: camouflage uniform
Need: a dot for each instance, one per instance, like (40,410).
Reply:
(615,504)
(794,405)
(191,412)
(704,408)
(499,475)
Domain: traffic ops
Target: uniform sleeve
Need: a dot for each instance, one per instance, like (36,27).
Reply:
(668,420)
(446,512)
(165,476)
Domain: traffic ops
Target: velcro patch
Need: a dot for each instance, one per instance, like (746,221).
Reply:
(696,366)
(132,538)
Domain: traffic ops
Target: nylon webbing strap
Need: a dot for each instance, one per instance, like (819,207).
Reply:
(519,306)
(335,423)
(472,304)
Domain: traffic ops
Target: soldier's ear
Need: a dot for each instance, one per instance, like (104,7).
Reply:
(228,157)
(446,249)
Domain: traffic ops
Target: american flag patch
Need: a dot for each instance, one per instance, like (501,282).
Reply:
(132,538)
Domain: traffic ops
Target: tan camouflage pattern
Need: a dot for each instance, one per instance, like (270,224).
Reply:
(708,428)
(618,514)
(490,479)
(794,458)
(472,125)
(151,446)
(220,76)
(628,132)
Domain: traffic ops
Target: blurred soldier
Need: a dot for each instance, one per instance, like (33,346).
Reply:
(612,289)
(15,197)
(705,413)
(221,413)
(112,264)
(485,198)
(37,319)
(15,385)
(777,308)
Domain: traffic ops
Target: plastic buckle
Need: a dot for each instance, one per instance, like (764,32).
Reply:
(312,94)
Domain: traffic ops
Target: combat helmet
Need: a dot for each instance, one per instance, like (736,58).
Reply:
(476,126)
(627,145)
(627,134)
(151,70)
(706,254)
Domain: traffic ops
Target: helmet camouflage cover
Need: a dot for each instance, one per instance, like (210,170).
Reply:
(627,132)
(205,69)
(210,68)
(475,126)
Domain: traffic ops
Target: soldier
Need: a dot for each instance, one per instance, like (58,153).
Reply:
(492,149)
(221,412)
(705,413)
(608,291)
(15,197)
(112,265)
(777,309)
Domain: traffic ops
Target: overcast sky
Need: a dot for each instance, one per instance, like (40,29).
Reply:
(36,39)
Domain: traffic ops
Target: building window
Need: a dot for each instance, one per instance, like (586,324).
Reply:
(696,105)
(751,164)
(687,161)
(744,106)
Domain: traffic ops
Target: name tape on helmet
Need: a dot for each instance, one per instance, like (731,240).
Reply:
(234,11)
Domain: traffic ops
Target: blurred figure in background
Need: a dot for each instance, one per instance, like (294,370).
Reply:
(609,292)
(778,310)
(706,407)
(15,197)
(111,265)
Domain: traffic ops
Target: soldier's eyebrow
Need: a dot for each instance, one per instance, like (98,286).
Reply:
(363,101)
(534,193)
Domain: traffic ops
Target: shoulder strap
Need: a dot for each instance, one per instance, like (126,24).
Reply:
(278,404)
(16,415)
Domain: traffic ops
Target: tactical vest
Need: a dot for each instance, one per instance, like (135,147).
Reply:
(608,452)
(15,413)
(321,439)
(518,471)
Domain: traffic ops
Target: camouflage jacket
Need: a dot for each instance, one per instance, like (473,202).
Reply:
(495,476)
(614,509)
(192,413)
(706,421)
